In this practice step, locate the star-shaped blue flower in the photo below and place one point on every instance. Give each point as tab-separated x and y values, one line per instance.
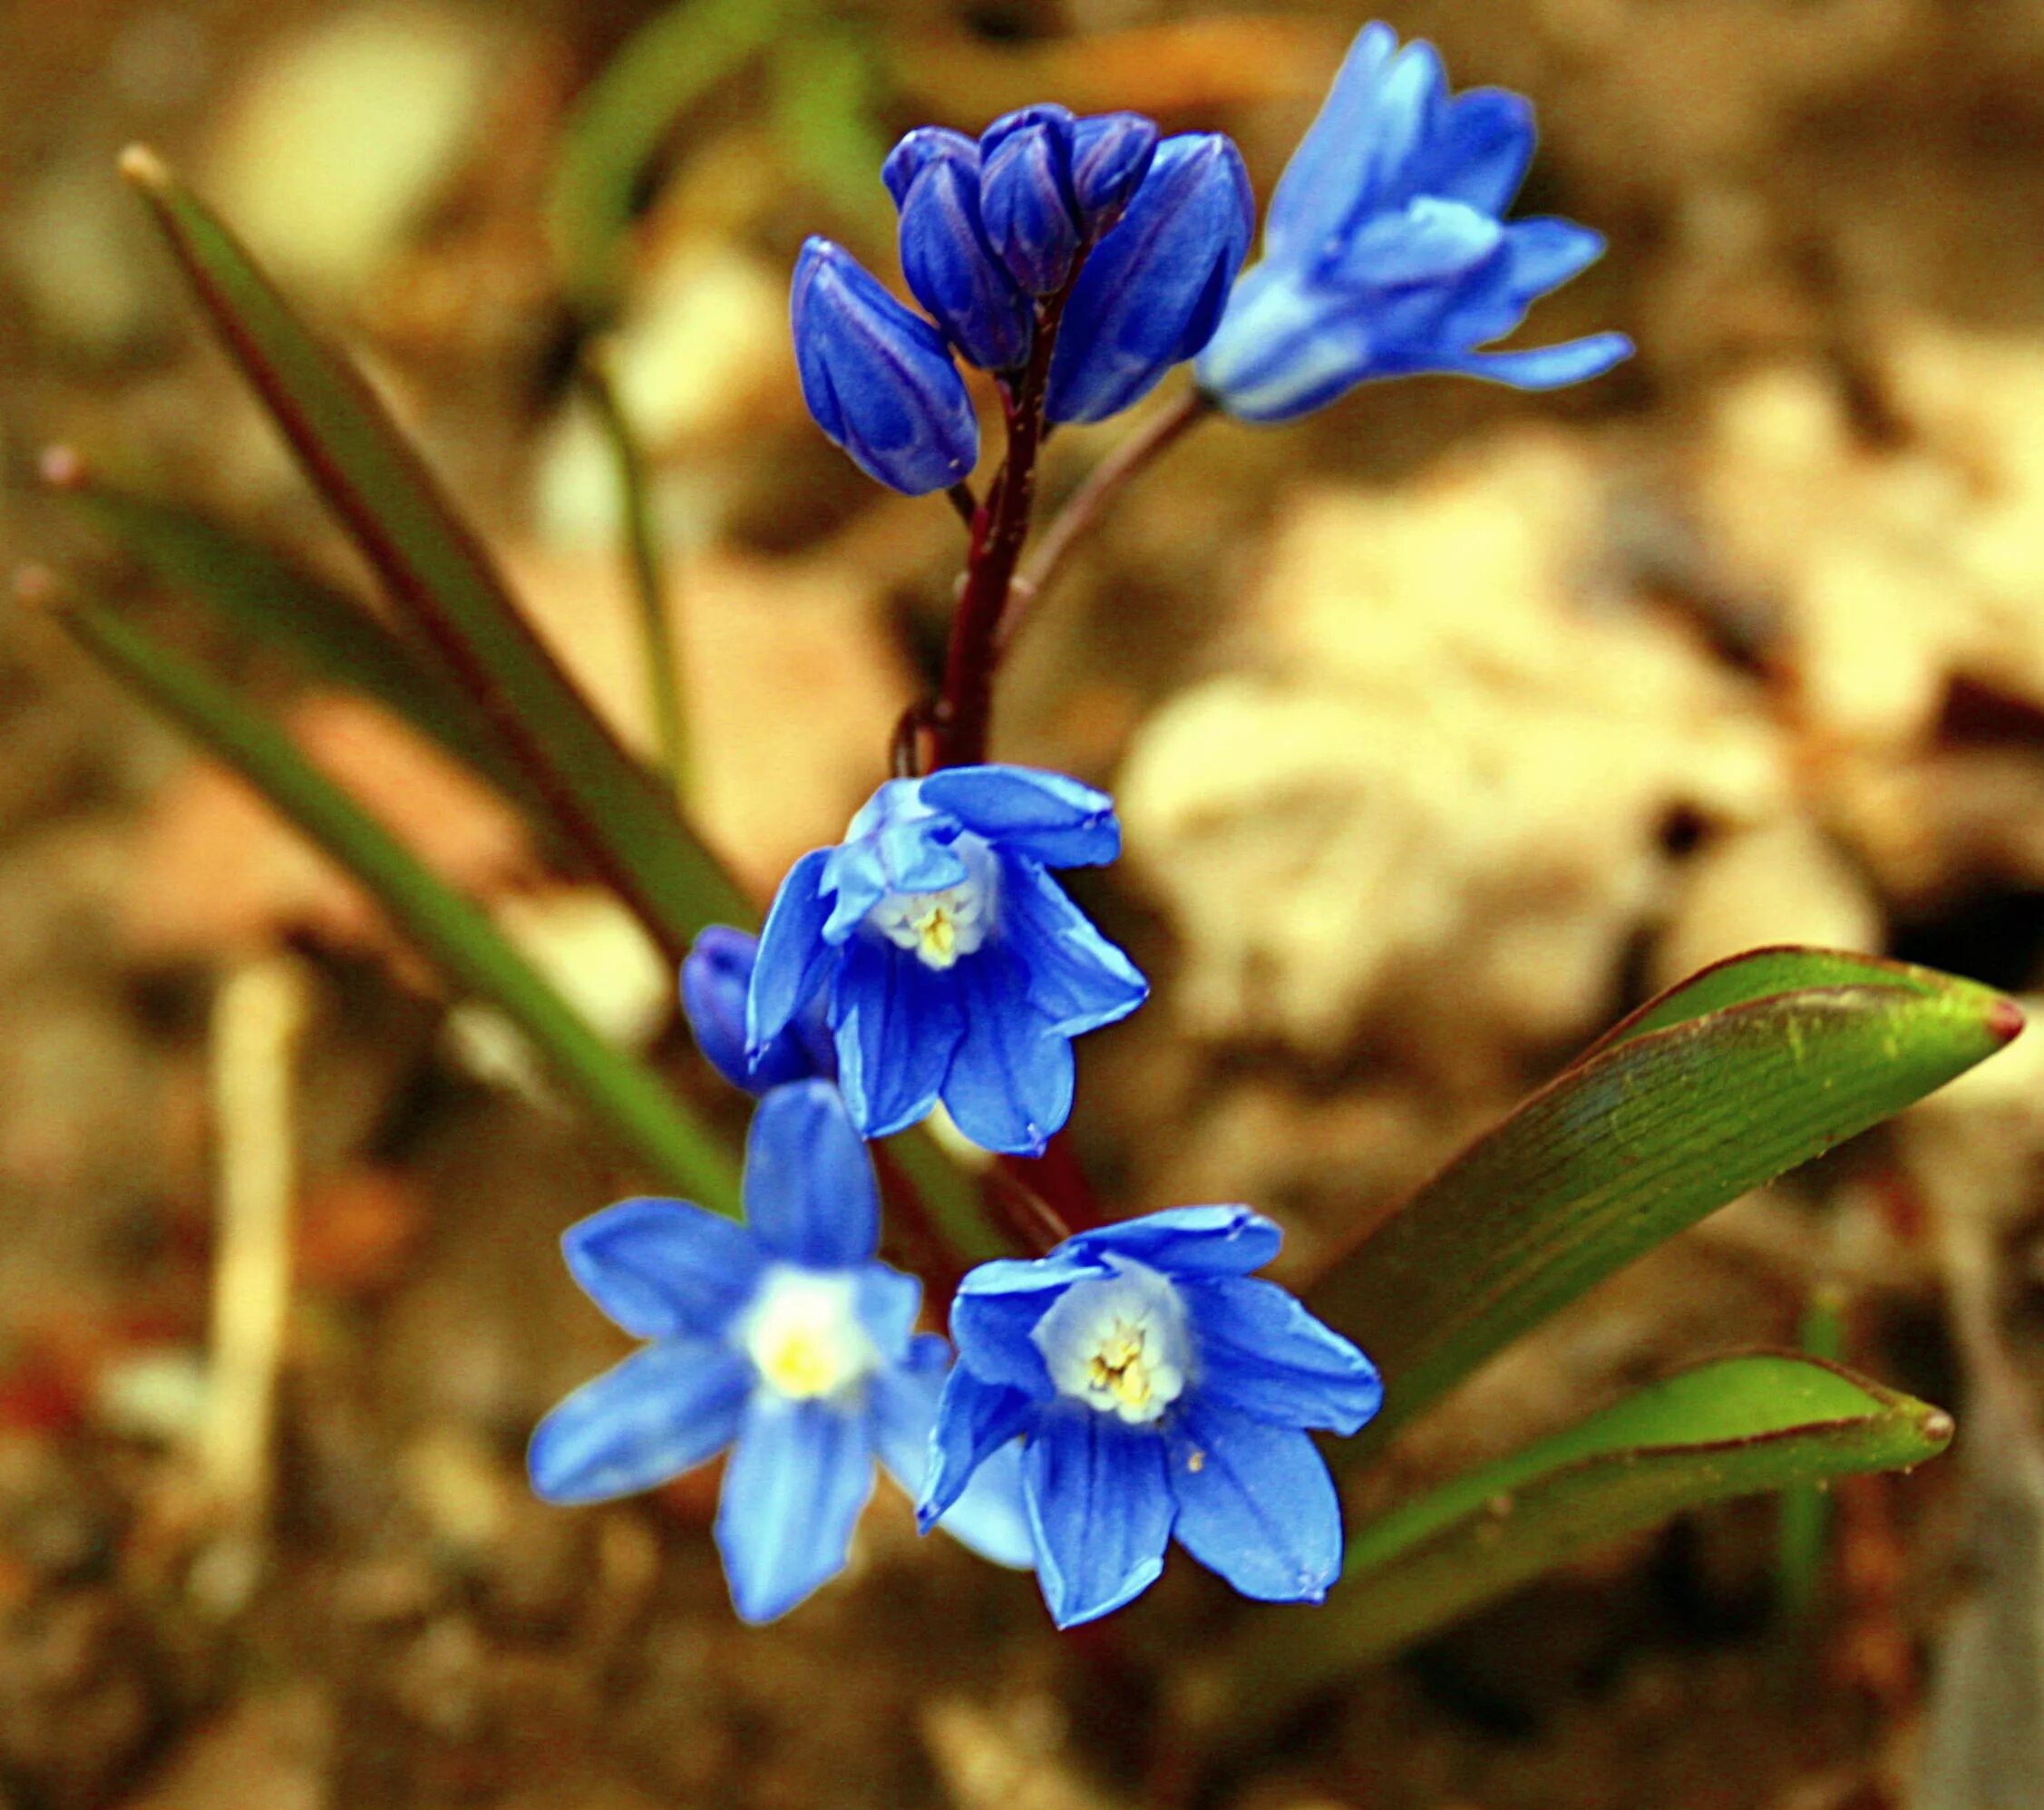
1385	253
952	966
1159	1389
782	1339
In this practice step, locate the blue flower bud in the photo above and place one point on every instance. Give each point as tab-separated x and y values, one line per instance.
1025	196
715	980
1151	291
934	177
1110	155
878	379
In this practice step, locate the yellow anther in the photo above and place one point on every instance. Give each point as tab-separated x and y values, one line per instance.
937	934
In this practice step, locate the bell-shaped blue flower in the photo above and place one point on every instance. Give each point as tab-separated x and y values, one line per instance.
1385	253
1158	1389
879	378
782	1339
952	967
1151	291
934	176
715	977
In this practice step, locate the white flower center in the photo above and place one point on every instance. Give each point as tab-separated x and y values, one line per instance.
1119	1344
939	927
803	1334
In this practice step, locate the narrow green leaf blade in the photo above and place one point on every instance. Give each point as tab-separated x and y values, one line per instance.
1628	1148
270	599
621	119
1735	1427
602	802
625	1096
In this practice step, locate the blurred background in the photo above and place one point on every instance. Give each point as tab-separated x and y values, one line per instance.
1446	727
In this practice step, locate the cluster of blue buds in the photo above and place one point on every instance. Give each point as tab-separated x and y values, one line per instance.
1088	231
1137	1382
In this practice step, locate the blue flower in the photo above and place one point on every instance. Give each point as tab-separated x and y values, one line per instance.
1151	291
1158	1389
715	980
951	965
782	1339
1385	253
878	378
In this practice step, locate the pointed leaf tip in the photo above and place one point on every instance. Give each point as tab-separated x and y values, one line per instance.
141	166
2004	1018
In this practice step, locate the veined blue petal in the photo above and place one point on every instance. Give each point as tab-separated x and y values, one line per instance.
1009	1084
1548	367
1110	155
1044	816
1026	198
975	1419
1428	241
878	379
1100	1509
954	272
898	1023
809	1194
663	1269
886	1302
1185	1242
1263	1353
1482	151
998	1306
798	1479
793	957
1315	197
661	1412
716	981
1286	346
988	1516
1255	1504
1077	979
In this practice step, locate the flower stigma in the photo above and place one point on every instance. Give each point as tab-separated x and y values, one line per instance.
805	1337
1118	1344
937	928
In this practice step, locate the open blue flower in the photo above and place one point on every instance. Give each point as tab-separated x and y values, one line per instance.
1385	253
1158	1389
951	965
782	1339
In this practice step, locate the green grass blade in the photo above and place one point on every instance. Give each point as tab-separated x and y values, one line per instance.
603	804
453	933
621	120
270	599
1629	1147
826	102
1736	1427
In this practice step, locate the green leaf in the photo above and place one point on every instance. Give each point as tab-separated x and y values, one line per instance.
1684	1112
826	102
1735	1427
624	116
270	599
602	803
622	1094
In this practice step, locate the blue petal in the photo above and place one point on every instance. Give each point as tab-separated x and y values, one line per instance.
1428	241
663	1269
1025	202
898	1023
1044	816
997	1309
988	1516
793	957
1548	367
1255	1504
798	1479
1260	1351
1100	1509
661	1412
1010	1087
1287	345
1482	151
1110	155
1315	196
1151	293
1185	1240
1536	256
810	1195
975	1419
886	1302
934	177
1077	979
